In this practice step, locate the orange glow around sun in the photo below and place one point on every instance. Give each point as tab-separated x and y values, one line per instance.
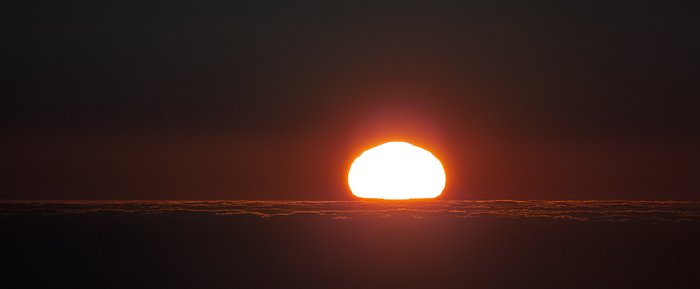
396	171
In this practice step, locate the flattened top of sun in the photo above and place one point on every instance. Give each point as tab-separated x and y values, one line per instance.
396	171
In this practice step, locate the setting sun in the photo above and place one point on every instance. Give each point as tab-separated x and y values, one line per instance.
396	171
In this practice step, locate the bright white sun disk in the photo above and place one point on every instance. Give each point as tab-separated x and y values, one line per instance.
396	170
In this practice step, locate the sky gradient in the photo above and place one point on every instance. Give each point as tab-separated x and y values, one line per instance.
273	100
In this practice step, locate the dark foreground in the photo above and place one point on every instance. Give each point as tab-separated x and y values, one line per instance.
439	244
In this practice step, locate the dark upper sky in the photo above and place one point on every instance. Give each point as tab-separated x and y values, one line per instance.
273	99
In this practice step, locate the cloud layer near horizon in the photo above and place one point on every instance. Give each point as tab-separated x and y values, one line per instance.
613	211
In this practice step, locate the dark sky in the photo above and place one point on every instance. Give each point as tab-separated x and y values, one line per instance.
273	99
